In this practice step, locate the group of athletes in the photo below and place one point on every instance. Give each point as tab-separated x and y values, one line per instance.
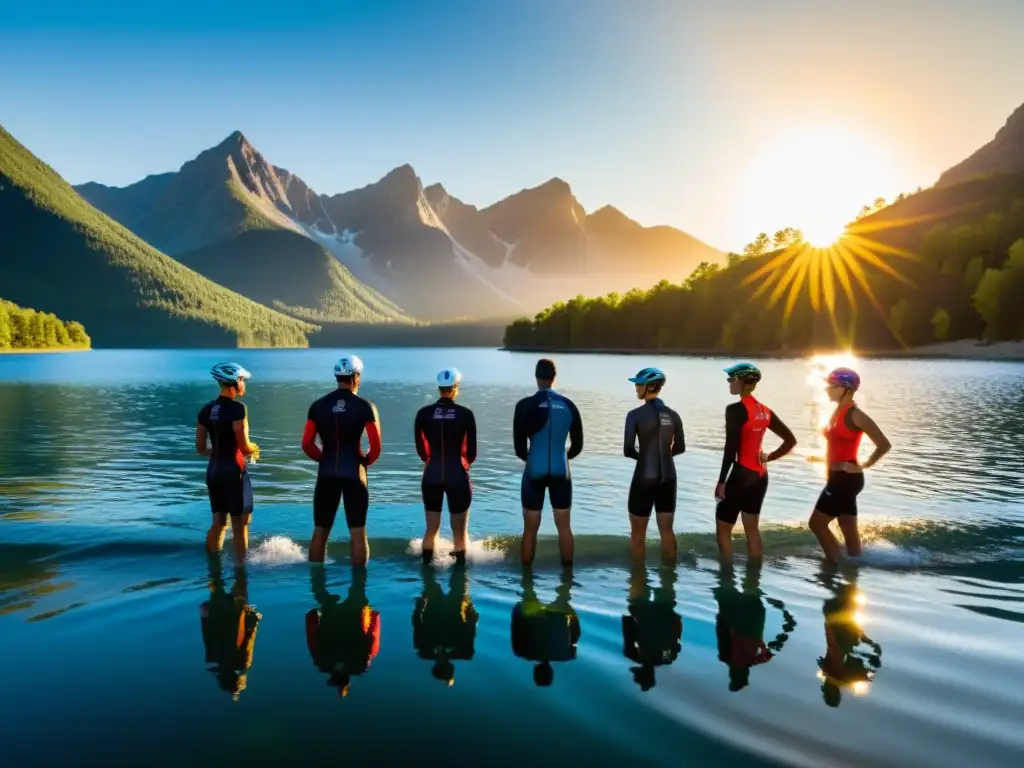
547	435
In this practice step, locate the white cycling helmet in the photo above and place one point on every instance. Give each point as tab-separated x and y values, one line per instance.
229	374
449	377
350	365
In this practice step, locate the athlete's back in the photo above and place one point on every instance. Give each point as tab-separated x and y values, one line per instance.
545	420
445	441
659	430
340	418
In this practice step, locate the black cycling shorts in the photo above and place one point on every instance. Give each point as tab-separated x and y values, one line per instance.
230	493
559	491
460	496
645	496
744	492
840	494
329	494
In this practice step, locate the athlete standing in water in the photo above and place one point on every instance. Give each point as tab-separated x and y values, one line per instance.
224	424
339	419
445	434
660	433
845	474
545	420
744	491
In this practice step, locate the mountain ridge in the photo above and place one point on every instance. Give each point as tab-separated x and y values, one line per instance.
1003	154
64	254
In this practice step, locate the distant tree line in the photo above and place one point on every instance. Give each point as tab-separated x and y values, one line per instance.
22	328
958	282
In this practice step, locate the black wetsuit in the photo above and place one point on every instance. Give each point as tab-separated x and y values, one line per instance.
445	435
340	418
226	479
660	433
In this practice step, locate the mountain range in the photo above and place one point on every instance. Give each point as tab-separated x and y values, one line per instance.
406	251
233	250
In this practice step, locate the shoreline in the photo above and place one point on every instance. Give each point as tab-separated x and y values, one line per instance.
965	349
44	351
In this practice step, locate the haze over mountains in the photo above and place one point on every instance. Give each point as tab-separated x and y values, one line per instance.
412	251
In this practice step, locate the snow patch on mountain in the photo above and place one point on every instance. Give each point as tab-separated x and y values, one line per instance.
343	246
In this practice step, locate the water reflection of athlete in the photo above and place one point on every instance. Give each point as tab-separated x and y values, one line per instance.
545	420
659	431
339	420
545	633
343	636
224	424
445	434
845	474
228	624
652	632
851	657
444	626
744	462
740	622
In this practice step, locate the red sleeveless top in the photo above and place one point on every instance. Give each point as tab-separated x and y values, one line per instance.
752	435
843	442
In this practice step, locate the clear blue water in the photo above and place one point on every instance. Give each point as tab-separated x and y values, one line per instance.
102	575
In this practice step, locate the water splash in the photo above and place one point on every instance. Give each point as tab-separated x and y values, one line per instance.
277	550
478	551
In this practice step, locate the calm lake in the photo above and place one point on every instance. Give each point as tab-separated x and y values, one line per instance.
123	644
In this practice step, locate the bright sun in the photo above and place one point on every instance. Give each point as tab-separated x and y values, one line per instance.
815	179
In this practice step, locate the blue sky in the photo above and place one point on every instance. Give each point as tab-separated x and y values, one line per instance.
672	111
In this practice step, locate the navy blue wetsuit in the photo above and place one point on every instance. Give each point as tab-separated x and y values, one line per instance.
226	479
660	433
446	442
544	421
339	419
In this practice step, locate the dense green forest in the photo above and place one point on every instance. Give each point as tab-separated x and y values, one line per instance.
937	265
318	288
22	328
60	252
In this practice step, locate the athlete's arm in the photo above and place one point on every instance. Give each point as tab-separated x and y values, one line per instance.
373	433
629	438
864	423
241	428
678	439
735	418
788	440
201	447
309	446
575	432
470	437
519	433
420	436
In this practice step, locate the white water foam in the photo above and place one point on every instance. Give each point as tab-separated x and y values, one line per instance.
277	550
885	554
478	551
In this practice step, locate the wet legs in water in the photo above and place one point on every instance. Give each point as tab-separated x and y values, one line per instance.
638	536
528	546
430	535
531	524
239	535
359	546
753	532
819	525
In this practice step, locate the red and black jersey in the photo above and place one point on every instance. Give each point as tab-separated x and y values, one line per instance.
339	419
445	435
